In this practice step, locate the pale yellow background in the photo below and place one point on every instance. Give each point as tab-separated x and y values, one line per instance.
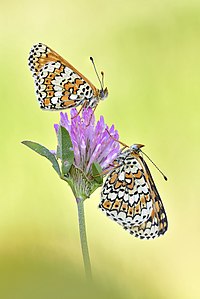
150	53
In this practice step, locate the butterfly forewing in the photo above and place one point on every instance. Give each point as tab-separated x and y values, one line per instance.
129	196
58	84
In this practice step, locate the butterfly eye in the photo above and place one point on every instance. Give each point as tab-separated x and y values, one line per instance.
136	147
103	94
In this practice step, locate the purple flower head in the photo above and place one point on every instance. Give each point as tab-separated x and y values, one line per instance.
91	141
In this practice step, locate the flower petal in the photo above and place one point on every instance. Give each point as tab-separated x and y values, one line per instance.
91	141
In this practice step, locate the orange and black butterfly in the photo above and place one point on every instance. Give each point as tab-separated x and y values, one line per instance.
129	196
58	84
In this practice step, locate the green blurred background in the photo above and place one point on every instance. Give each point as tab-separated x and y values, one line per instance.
150	53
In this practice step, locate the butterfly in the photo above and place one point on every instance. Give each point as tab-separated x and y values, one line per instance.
58	84
129	196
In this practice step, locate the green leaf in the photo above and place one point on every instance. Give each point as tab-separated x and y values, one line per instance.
43	151
65	151
97	173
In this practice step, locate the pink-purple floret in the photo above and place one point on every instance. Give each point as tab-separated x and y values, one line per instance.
91	142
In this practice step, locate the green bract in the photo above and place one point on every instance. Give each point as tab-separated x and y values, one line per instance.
63	163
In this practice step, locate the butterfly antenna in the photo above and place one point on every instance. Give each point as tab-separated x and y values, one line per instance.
101	82
154	165
102	75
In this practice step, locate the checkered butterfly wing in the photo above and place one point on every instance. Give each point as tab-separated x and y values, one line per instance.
129	196
58	84
157	223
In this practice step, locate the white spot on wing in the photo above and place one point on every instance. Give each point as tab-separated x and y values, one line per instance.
73	97
54	100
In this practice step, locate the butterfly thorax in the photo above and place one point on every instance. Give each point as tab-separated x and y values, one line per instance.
99	95
132	151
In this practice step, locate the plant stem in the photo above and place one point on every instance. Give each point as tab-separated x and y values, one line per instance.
83	238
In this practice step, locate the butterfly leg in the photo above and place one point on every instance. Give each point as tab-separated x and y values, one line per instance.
91	115
124	145
82	107
107	170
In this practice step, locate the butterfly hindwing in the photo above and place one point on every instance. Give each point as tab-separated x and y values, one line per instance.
58	84
129	197
125	195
